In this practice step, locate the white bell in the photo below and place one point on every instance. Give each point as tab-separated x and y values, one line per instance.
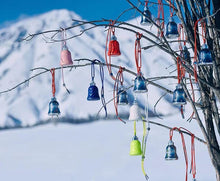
135	113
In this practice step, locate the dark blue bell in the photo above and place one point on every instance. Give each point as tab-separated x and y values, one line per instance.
122	97
54	109
172	30
93	92
179	96
186	55
145	19
140	84
205	56
171	151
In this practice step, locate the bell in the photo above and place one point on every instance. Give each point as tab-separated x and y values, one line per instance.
179	96
172	30
113	48
140	84
205	56
122	97
171	151
135	147
93	92
135	113
145	18
186	55
65	57
54	109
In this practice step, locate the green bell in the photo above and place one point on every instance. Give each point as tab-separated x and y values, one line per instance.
135	147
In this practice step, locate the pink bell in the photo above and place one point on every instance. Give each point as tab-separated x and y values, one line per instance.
65	57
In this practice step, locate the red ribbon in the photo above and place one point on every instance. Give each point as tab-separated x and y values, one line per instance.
53	81
159	23
119	79
171	4
138	53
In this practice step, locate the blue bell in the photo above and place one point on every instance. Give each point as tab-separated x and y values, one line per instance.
171	151
93	92
205	56
122	97
54	109
145	18
140	84
172	30
186	55
179	96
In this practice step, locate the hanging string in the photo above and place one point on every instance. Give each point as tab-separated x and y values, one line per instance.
111	31
102	89
63	44
171	5
92	71
181	36
193	161
119	80
159	19
146	130
138	53
53	81
146	3
195	49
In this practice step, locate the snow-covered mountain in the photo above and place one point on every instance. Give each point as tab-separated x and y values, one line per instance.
28	103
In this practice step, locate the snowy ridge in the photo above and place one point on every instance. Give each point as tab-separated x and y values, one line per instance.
29	104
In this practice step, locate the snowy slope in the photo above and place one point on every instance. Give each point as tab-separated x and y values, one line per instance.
96	152
28	104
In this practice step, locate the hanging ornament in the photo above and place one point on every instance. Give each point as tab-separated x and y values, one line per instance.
139	82
171	29
186	55
65	56
146	17
135	113
119	94
112	47
135	146
93	92
179	96
160	19
205	56
53	105
171	151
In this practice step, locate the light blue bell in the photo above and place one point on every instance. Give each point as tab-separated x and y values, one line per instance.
172	30
179	96
186	55
54	109
122	96
145	19
205	56
140	84
93	92
171	151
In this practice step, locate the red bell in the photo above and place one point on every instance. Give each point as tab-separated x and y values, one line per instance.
113	48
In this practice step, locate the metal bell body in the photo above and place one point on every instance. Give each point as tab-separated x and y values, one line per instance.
135	113
171	151
145	18
205	56
179	96
122	97
171	29
65	57
140	84
186	55
93	92
54	109
113	48
135	147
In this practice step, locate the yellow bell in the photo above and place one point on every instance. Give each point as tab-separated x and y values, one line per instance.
135	147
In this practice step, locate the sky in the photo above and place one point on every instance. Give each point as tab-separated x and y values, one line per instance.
14	10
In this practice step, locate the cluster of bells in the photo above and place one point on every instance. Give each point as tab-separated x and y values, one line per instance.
205	56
